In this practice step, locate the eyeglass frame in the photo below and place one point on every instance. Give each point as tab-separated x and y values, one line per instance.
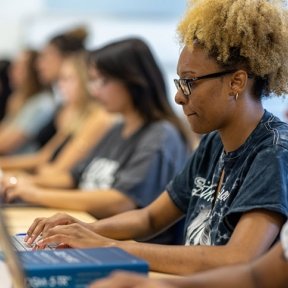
187	83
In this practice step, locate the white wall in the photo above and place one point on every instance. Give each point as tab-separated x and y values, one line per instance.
31	22
12	14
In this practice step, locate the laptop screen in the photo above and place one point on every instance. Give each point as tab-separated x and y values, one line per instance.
11	260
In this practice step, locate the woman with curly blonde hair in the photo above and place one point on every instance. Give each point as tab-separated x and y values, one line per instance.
234	188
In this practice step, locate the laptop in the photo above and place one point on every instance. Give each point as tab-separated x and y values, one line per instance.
74	267
20	245
11	272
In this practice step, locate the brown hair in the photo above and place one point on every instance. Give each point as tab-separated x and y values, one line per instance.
132	62
70	42
32	84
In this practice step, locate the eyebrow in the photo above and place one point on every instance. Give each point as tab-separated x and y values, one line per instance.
186	73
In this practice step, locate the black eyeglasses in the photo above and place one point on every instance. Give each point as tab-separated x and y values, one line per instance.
185	84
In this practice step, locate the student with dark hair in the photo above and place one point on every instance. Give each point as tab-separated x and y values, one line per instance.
56	49
138	156
233	190
5	87
28	109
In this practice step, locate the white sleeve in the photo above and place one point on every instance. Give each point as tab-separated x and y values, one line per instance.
34	114
284	240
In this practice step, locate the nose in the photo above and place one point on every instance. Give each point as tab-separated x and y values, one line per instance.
180	98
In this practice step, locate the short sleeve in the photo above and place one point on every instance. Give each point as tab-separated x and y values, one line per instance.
180	188
265	185
145	176
35	114
152	164
284	240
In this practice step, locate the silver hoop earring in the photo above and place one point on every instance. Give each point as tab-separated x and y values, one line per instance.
236	96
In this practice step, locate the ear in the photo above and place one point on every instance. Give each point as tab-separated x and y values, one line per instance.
238	81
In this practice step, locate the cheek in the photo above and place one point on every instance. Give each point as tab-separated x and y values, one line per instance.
210	111
105	95
209	101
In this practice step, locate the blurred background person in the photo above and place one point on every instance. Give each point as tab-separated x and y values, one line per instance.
28	109
49	64
79	123
5	87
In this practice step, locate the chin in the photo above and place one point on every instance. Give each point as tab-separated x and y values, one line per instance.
200	129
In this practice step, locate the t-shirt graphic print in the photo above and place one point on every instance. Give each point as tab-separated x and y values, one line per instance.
99	175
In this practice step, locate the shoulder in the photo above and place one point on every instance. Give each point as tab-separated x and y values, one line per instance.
161	133
163	128
272	132
114	133
41	99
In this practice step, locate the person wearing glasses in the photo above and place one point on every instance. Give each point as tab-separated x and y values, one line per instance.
233	191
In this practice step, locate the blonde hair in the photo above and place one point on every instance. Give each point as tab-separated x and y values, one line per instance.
78	62
249	34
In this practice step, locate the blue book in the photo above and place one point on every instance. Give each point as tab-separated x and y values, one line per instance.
76	268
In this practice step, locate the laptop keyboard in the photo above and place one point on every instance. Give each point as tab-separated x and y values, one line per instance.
20	245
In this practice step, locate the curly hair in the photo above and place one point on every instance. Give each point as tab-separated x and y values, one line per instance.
247	34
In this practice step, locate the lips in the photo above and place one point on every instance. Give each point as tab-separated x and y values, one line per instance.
190	114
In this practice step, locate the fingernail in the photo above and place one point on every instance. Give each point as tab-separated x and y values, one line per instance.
29	241
39	243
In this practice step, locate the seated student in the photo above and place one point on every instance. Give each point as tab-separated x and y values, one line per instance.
77	121
50	61
134	161
5	86
269	271
28	109
233	190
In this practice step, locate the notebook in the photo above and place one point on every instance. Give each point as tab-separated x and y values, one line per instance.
70	268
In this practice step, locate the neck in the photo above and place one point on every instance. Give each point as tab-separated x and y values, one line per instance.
132	122
242	125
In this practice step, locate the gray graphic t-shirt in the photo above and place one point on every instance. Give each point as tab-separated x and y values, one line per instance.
139	166
255	177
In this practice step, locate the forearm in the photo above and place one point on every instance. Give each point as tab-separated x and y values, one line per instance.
99	203
25	162
268	271
184	260
129	225
140	223
13	139
233	276
59	179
